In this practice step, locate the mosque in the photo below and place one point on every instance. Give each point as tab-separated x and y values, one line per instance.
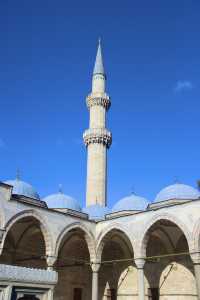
52	248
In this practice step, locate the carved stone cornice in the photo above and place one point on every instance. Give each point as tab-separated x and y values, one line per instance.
97	135
102	101
22	274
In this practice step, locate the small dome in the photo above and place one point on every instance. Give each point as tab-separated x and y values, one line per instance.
62	201
132	202
177	191
96	211
22	188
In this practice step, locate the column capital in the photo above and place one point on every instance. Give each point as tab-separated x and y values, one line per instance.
140	262
51	261
195	257
95	266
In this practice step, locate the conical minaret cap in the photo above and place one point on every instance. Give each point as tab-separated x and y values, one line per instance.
98	67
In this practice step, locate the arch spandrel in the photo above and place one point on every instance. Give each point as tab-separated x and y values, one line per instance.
142	242
89	238
43	226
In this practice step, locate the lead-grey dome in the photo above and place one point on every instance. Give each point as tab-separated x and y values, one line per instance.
62	201
132	202
178	191
23	188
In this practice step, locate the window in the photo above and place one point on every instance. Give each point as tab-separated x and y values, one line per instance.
111	294
153	293
77	294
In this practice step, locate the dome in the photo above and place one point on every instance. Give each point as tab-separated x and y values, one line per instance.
132	202
177	191
96	211
22	188
62	201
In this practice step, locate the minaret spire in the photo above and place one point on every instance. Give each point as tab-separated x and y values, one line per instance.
97	138
98	67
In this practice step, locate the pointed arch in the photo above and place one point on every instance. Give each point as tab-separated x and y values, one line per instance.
102	237
43	226
142	243
87	235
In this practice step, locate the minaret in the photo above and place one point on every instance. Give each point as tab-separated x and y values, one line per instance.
97	138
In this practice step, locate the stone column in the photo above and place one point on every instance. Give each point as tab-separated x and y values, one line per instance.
50	294
140	271
95	278
7	292
197	277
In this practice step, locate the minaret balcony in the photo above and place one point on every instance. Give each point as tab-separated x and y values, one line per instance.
97	135
104	101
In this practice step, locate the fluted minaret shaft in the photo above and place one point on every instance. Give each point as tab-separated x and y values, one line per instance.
97	138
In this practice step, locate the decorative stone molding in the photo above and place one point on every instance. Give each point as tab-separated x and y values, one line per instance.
22	274
72	213
102	101
95	266
195	256
97	135
140	262
50	261
29	200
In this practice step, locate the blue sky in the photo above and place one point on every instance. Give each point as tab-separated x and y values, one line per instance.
151	54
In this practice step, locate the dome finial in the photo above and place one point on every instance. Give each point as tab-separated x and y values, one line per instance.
176	180
133	190
18	175
60	188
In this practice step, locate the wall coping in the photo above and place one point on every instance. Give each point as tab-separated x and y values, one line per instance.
28	275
